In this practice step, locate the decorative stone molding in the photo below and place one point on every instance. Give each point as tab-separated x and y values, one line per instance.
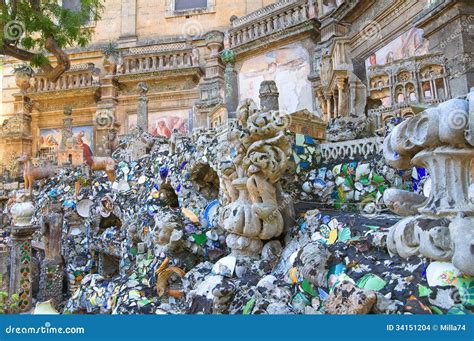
437	139
366	148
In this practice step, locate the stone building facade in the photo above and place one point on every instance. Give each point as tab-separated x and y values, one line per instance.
328	58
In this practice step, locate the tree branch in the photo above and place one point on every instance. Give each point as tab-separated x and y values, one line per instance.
50	72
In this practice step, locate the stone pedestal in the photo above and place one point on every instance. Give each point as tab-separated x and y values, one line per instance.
442	227
20	265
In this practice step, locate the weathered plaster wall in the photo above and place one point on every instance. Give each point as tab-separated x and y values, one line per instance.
289	67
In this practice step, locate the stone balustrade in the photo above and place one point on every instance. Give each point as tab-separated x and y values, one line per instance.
159	61
268	20
351	149
79	76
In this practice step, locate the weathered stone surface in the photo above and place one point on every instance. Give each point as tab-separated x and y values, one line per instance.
437	139
348	299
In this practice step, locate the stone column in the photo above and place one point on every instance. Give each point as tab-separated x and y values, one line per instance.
105	121
142	110
51	274
20	254
335	104
231	82
340	96
327	96
269	96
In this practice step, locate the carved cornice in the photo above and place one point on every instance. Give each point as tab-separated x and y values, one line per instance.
192	72
91	91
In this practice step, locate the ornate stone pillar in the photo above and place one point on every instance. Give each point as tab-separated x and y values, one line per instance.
335	104
21	234
327	96
52	268
231	82
142	110
213	89
439	140
340	96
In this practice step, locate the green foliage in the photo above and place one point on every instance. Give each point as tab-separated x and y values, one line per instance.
111	49
8	305
48	20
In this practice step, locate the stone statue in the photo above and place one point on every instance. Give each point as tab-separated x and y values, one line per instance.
51	223
31	173
442	227
260	158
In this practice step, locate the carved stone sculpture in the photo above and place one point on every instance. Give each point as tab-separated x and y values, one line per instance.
31	173
260	158
438	140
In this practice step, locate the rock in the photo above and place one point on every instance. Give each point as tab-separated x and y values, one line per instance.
311	261
348	299
267	283
225	266
385	305
444	298
278	309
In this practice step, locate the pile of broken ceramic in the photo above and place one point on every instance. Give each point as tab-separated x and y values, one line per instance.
355	185
324	264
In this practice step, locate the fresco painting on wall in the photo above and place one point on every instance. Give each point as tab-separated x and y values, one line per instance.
163	123
289	67
51	138
409	44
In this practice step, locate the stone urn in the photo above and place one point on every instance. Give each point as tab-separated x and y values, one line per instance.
110	64
22	211
23	77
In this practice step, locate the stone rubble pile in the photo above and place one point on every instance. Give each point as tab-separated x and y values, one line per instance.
154	240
